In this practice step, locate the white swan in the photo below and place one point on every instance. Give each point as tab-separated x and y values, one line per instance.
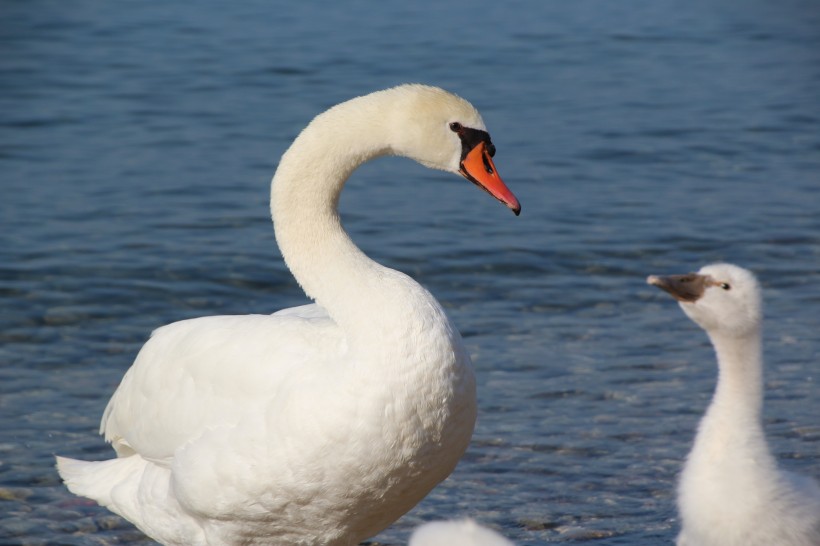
456	533
320	424
731	492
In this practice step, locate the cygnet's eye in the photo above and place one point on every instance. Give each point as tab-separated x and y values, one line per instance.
456	127
725	286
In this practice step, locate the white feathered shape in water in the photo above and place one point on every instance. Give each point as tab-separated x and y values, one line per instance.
464	532
731	492
320	424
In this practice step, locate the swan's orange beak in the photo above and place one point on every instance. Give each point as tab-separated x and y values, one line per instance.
477	167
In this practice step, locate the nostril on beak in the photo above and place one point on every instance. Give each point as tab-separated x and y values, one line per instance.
487	166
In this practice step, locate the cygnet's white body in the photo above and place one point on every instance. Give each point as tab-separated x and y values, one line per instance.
456	533
321	424
731	491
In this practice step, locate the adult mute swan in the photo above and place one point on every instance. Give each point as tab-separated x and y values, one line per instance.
456	533
731	492
320	424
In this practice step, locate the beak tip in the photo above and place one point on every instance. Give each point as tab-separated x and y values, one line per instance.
511	202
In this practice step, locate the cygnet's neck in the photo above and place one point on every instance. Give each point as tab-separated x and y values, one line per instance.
732	425
739	388
304	197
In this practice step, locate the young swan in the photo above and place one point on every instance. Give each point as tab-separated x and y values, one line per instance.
731	492
456	533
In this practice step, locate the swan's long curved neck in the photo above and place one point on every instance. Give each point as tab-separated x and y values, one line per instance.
305	191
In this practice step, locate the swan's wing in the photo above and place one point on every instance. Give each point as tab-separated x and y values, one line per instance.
311	311
197	375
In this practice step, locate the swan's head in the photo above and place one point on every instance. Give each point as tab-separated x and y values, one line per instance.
720	298
443	131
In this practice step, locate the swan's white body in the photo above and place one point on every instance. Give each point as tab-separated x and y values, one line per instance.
316	425
456	533
731	491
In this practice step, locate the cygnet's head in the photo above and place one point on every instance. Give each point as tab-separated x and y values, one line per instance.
720	298
443	131
456	533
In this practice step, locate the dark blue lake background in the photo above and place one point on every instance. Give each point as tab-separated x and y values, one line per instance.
137	143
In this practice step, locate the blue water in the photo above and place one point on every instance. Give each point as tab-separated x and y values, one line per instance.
137	141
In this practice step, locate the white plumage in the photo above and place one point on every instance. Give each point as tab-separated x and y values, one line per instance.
320	424
456	533
731	491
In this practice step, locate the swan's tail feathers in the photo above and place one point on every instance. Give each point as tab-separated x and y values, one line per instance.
137	490
113	483
96	480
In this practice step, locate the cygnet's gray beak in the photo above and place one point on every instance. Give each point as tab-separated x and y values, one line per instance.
688	288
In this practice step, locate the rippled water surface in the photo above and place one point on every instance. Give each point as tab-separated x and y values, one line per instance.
137	141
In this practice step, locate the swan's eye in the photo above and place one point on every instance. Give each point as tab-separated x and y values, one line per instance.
456	127
725	286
